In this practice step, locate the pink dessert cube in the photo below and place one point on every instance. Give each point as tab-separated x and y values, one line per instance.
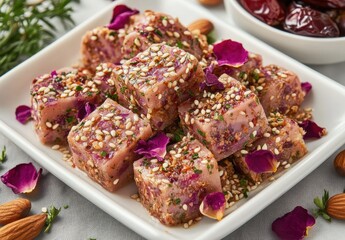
59	97
226	120
284	139
173	189
103	144
155	81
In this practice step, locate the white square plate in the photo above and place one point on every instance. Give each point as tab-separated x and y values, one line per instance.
326	99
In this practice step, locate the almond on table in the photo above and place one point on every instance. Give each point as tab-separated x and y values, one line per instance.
14	210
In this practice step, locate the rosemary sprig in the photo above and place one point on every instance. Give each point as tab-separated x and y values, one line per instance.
321	204
26	26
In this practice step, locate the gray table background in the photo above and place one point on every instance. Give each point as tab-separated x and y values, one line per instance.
83	220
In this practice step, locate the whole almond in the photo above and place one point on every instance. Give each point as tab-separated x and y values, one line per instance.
14	210
339	163
24	229
336	206
203	25
211	2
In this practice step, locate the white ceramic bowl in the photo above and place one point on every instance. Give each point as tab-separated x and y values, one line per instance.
305	49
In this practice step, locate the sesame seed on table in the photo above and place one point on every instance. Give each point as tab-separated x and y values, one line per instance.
83	220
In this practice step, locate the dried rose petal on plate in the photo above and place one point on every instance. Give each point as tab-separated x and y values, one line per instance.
23	113
121	15
22	178
293	225
213	205
306	87
261	161
155	147
230	53
312	130
211	80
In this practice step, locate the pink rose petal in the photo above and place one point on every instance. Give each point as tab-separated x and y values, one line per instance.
121	15
213	205
293	225
306	87
23	114
211	80
261	161
22	178
312	130
155	147
230	53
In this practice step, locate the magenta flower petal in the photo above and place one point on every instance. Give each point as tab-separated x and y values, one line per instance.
22	178
261	161
23	113
85	110
211	80
312	130
213	205
293	225
306	87
155	147
121	15
53	74
230	53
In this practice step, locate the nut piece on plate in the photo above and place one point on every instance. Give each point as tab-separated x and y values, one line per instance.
155	81
339	163
284	139
173	189
202	25
58	98
224	121
158	28
103	144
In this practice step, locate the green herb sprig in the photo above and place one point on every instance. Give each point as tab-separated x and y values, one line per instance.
27	26
3	155
321	204
52	213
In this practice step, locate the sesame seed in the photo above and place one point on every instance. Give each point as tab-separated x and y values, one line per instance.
276	151
287	166
264	147
155	169
196	150
49	125
116	181
251	124
244	152
112	145
55	147
165	22
277	139
255	133
242	113
267	135
137	42
149	28
178	155
129	133
284	163
186	225
165	165
55	126
185	207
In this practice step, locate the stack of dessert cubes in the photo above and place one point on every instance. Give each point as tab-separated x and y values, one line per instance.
106	111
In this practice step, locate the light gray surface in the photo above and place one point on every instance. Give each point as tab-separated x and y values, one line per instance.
82	220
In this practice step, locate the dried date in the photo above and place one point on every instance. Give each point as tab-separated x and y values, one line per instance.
268	11
303	20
